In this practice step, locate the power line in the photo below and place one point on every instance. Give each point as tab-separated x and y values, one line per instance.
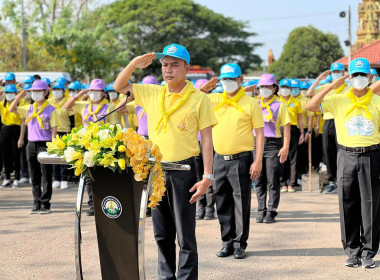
294	17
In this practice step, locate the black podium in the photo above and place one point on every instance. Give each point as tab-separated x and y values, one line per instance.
120	205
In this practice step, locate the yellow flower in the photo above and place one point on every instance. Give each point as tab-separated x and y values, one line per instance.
95	146
121	163
122	148
108	160
109	143
78	171
119	135
79	163
128	153
77	155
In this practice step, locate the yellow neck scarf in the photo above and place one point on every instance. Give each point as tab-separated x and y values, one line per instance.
339	90
142	114
360	103
37	114
268	117
91	113
59	105
290	100
232	101
166	114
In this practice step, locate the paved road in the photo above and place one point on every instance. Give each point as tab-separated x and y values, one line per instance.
303	244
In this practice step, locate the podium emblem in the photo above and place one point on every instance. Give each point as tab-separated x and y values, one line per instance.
111	207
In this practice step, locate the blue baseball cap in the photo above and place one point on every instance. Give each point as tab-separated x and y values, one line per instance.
26	86
360	65
75	85
373	71
46	80
9	76
61	80
337	66
294	83
285	83
29	79
110	87
58	86
175	50
230	70
305	85
10	88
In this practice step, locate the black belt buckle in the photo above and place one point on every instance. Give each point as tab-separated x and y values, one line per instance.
359	150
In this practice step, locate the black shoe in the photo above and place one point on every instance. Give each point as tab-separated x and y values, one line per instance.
44	210
353	261
368	262
90	212
148	212
199	217
239	254
270	217
210	217
224	252
35	209
260	216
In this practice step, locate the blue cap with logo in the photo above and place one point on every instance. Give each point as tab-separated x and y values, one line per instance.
373	71
26	86
61	80
285	83
9	76
305	85
294	83
337	66
360	65
75	85
29	79
10	88
58	86
46	80
175	50
230	70
110	87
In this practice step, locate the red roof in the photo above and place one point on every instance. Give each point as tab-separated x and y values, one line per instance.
370	52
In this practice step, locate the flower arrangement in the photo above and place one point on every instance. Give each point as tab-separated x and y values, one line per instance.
112	147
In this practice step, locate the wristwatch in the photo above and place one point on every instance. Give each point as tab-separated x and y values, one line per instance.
209	176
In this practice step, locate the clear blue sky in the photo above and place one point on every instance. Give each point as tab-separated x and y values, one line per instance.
273	20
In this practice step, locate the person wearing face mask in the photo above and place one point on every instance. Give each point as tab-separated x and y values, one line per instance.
42	127
177	111
357	117
75	119
276	149
329	142
289	170
57	101
374	76
238	115
9	135
47	81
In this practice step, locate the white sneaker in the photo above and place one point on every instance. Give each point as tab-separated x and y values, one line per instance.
64	185
56	184
6	183
23	181
15	184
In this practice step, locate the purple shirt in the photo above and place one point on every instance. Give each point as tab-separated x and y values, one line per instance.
35	132
100	114
269	125
143	121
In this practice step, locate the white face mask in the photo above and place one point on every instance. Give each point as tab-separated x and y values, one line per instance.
336	76
229	85
285	91
374	79
37	95
265	92
303	92
28	95
113	95
72	93
94	95
57	94
359	82
249	93
10	96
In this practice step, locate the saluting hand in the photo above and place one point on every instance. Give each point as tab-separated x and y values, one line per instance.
210	85
81	94
323	75
143	61
201	188
250	88
21	95
338	83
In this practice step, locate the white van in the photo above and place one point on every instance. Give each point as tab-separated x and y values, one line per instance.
20	76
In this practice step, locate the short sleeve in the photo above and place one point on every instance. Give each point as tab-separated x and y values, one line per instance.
79	107
143	93
283	116
206	114
53	119
257	115
299	108
328	104
112	118
23	111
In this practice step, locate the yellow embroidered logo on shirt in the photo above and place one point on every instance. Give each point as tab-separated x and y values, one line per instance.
183	126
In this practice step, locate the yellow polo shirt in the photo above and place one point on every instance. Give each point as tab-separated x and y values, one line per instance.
8	118
346	89
234	132
62	115
133	121
306	114
294	108
180	141
355	130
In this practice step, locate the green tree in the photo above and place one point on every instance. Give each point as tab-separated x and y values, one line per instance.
306	53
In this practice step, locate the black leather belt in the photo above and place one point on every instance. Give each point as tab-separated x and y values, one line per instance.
189	161
235	156
359	150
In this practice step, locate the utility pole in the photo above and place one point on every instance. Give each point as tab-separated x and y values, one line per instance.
23	35
349	35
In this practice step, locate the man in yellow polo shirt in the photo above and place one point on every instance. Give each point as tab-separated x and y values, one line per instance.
176	112
357	118
238	115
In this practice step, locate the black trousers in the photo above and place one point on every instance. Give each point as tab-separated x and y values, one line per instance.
303	158
205	204
9	136
289	170
330	148
23	160
88	186
1	155
37	171
232	189
60	171
359	201
316	151
176	216
269	176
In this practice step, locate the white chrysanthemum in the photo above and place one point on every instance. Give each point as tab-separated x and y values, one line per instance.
81	132
89	159
103	134
69	152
